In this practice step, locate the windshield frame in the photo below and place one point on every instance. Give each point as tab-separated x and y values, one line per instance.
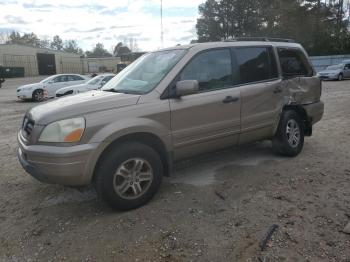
134	64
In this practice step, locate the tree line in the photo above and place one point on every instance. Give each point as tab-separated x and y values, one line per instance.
322	27
70	46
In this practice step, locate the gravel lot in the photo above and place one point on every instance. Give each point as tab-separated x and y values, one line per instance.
214	208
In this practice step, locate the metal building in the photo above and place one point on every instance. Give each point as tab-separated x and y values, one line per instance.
40	61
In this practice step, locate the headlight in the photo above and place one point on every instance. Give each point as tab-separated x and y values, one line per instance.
66	131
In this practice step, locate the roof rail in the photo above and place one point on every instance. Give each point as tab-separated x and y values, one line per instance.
265	39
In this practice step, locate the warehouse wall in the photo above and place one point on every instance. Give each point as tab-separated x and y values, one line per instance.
24	56
92	65
13	55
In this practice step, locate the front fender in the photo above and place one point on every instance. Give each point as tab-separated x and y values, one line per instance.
110	133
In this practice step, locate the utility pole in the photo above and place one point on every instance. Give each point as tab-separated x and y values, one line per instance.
161	23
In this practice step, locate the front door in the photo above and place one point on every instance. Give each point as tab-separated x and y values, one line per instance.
210	119
56	83
347	71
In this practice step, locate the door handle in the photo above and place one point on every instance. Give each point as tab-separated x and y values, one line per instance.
277	90
230	99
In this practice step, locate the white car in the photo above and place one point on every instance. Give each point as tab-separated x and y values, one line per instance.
47	88
93	84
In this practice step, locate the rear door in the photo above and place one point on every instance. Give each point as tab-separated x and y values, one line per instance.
210	119
261	91
301	83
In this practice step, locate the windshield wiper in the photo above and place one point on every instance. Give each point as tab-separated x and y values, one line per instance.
123	91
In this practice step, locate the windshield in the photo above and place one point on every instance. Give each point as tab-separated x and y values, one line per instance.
145	73
335	67
94	80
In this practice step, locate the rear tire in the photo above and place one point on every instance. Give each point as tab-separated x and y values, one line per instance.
128	176
38	95
289	138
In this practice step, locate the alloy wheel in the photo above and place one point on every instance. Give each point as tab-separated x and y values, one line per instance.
293	133
133	178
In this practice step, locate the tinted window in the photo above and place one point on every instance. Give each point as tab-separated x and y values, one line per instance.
294	63
59	79
273	64
107	78
74	78
211	69
254	64
347	66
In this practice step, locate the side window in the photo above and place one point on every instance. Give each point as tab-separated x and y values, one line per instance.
294	63
59	79
253	63
212	69
107	78
273	64
74	78
347	66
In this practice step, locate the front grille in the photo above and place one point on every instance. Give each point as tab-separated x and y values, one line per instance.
28	126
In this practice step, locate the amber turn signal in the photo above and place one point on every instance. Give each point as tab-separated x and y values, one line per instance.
74	136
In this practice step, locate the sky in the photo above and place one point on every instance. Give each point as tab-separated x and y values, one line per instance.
108	21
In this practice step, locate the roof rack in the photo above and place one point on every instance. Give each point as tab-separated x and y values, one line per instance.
265	39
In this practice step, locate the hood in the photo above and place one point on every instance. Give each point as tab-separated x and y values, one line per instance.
68	88
31	86
333	71
80	105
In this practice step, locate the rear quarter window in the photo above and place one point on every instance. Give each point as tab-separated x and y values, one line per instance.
294	63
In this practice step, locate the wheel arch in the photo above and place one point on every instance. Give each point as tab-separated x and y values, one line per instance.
146	138
306	121
38	89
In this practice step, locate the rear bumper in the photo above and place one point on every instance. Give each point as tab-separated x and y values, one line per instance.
57	165
314	111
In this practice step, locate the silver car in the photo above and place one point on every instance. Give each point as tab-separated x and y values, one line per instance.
335	72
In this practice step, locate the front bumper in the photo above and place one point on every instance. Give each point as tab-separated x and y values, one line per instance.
24	94
57	165
314	111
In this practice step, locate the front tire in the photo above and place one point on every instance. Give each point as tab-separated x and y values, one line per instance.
128	175
38	95
289	138
340	77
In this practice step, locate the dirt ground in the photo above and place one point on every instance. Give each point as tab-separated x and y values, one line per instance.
214	208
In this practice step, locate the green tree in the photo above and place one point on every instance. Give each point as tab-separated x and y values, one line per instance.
98	51
71	46
57	43
321	26
120	49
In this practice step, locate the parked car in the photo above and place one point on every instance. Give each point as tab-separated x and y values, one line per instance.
93	84
335	72
170	105
47	88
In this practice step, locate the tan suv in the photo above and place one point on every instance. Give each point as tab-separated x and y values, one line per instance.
170	105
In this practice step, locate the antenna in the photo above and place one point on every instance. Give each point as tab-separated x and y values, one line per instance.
161	23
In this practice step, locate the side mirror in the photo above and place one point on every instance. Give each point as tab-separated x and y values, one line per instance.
187	87
102	83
